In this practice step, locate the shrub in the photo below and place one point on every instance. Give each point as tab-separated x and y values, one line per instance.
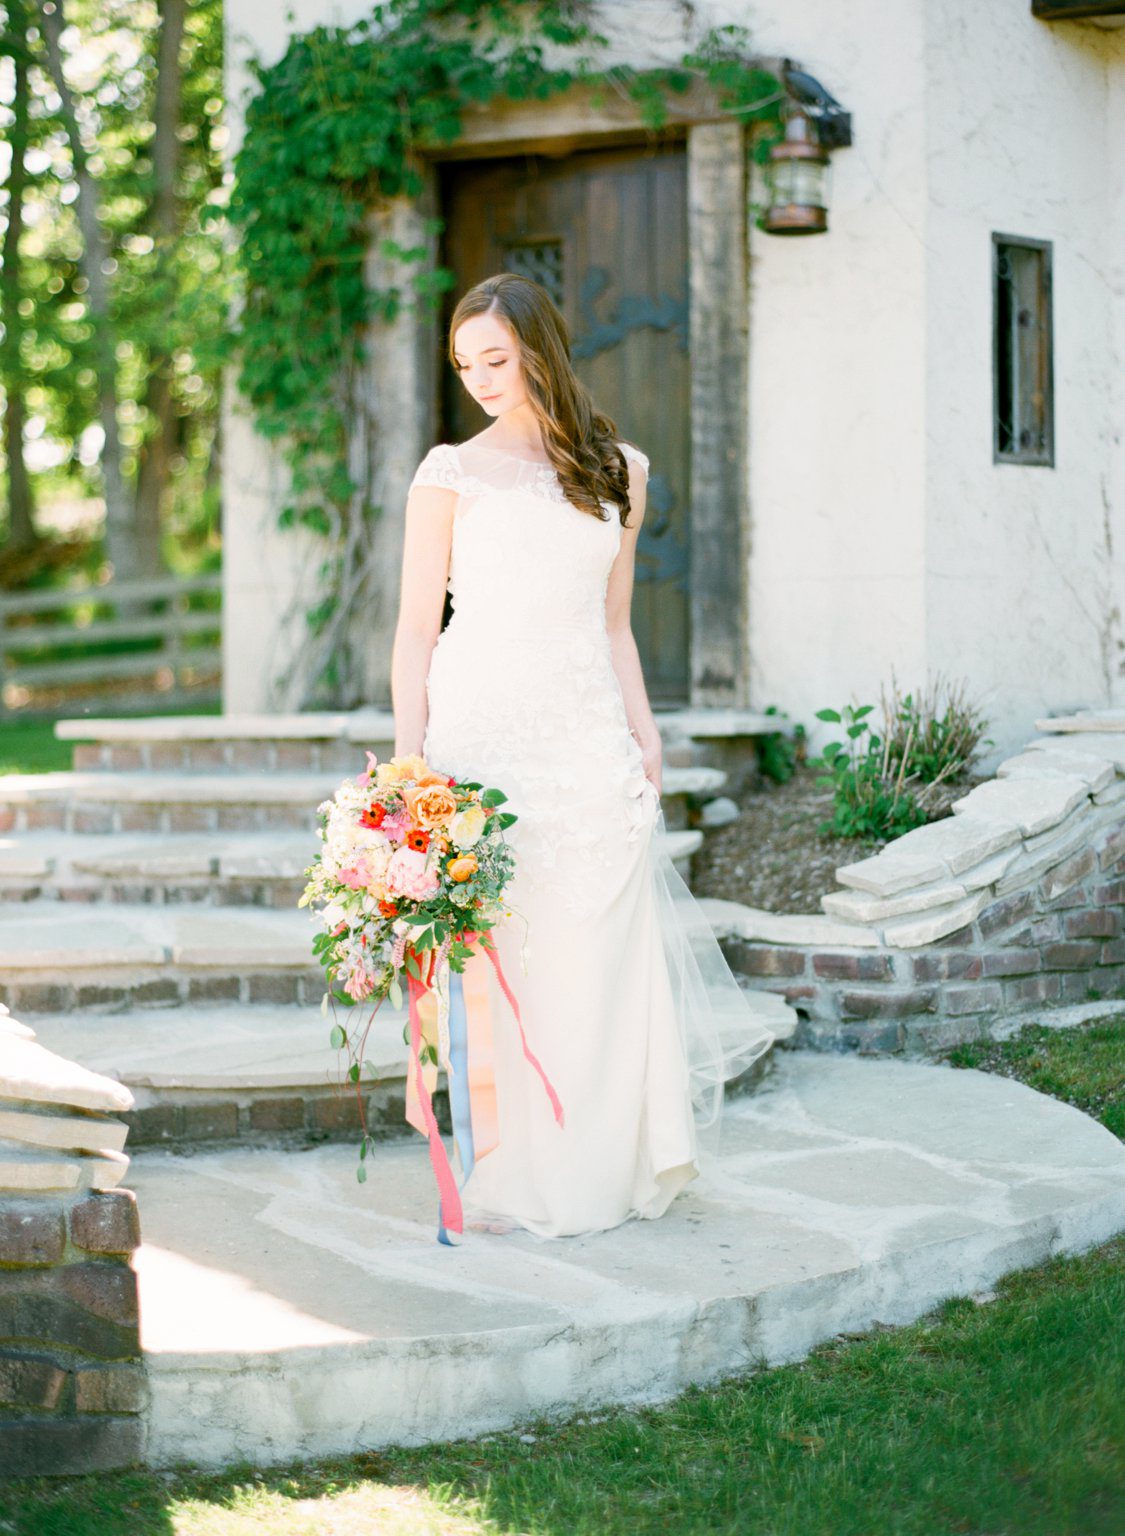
866	802
779	752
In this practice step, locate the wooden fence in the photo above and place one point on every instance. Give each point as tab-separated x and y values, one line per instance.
136	642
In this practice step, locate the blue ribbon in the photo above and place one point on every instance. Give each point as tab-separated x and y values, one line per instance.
460	1104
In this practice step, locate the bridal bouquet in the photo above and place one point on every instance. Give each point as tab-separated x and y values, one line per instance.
407	885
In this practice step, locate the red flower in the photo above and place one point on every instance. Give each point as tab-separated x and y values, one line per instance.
419	839
388	908
373	816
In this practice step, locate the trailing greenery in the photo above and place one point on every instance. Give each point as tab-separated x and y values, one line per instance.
332	133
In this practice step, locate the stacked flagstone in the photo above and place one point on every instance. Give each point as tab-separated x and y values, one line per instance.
1016	900
72	1388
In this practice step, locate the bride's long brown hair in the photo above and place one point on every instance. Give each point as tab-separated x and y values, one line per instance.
581	441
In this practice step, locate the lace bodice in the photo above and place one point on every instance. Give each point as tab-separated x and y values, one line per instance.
521	688
518	539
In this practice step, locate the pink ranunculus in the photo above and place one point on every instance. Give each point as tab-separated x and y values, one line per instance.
357	876
364	779
396	826
359	982
408	876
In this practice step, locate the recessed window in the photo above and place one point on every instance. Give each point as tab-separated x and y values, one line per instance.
1023	430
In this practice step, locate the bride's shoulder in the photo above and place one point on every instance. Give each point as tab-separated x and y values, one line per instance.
631	451
441	466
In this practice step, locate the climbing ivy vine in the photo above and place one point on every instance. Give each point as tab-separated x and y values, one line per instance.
333	130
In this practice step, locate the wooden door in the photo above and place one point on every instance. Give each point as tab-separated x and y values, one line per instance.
605	232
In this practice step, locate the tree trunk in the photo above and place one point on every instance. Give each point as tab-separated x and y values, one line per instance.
154	466
121	543
21	524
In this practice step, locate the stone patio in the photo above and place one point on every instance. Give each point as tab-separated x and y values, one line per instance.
287	1310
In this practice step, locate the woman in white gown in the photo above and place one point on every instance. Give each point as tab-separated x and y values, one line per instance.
535	686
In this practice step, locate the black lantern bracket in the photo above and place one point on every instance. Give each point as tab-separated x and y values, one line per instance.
831	123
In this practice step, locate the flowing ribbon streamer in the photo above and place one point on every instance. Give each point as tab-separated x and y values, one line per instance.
454	1014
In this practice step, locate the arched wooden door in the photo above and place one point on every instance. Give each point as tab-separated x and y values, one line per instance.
605	232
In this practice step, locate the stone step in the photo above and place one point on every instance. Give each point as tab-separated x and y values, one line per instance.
326	740
849	1194
122	955
94	802
210	868
256	1071
129	955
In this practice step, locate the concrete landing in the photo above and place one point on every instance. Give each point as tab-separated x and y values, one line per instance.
289	1311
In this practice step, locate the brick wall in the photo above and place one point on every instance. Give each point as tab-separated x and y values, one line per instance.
72	1385
1049	927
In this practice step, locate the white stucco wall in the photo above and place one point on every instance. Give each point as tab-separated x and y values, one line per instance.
1022	591
837	388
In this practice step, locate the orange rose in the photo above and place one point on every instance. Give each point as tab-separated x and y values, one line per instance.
430	805
461	868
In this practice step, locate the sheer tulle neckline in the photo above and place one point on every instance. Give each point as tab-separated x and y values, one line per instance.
507	454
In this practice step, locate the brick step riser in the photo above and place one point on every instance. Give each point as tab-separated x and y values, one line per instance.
117	989
277	894
233	756
179	1119
104	818
283	756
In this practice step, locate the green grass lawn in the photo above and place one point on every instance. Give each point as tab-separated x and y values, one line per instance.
29	746
998	1417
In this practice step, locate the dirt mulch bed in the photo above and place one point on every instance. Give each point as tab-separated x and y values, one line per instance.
774	857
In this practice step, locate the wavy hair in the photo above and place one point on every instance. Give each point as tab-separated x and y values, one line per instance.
581	441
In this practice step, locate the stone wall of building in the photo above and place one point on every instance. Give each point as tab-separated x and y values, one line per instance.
1016	900
72	1385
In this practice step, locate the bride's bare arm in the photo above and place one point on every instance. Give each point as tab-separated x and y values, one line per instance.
626	657
425	573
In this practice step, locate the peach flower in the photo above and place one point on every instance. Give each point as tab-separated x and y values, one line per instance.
409	766
431	805
461	868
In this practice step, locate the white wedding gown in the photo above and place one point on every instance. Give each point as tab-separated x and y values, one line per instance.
625	996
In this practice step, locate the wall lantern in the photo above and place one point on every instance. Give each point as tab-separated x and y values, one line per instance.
798	175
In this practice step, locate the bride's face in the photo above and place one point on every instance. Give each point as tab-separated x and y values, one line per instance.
487	359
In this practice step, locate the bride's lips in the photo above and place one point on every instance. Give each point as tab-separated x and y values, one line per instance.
486	397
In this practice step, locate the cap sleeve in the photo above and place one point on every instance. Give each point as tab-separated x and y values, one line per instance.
439	467
636	455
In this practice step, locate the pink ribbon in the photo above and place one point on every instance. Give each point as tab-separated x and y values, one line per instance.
419	1108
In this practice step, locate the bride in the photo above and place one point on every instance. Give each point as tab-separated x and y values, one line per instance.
535	686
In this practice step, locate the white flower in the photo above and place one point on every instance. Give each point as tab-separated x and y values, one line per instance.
466	827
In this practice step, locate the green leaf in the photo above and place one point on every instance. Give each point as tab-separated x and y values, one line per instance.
361	1173
337	1039
493	797
353	1072
828	714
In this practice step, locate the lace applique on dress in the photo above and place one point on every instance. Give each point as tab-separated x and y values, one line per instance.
439	467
